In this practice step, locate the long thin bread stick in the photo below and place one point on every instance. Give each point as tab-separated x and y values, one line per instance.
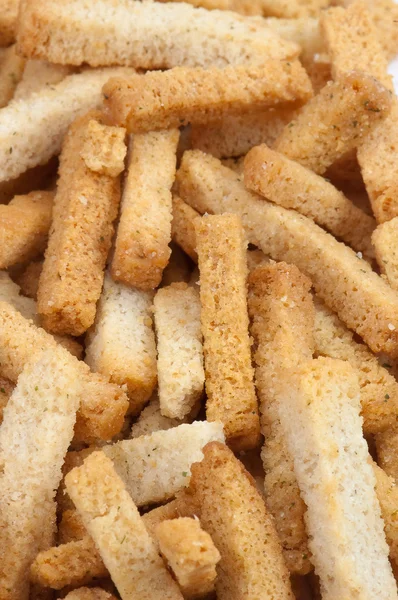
165	99
334	121
118	531
151	420
183	228
251	563
144	231
85	206
282	319
141	35
360	297
277	178
231	398
35	434
121	344
320	416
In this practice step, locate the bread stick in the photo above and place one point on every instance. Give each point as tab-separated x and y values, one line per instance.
103	405
277	178
334	121
6	389
38	75
387	455
85	593
151	420
282	320
361	298
235	135
183	228
180	352
190	553
121	344
384	240
70	527
24	226
165	99
387	494
119	532
32	129
144	35
35	434
378	387
28	279
11	71
251	563
155	467
243	7
319	412
144	231
231	398
85	206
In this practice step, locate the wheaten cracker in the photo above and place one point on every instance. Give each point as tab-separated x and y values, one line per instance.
24	226
11	70
121	344
35	434
231	399
334	121
164	99
362	299
252	564
119	532
144	35
190	553
144	230
103	405
319	411
85	206
278	179
282	320
180	352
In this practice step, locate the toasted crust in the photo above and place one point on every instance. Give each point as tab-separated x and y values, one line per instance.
244	7
334	121
378	387
85	207
84	593
118	531
28	279
235	135
103	405
277	178
71	527
34	127
122	343
231	398
385	239
144	231
183	228
387	494
282	318
42	409
251	563
143	35
11	70
8	21
24	226
319	412
190	553
293	9
180	352
361	298
151	420
6	389
165	99
38	75
387	451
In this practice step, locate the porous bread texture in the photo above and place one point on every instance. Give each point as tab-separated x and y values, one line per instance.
24	226
278	179
11	71
362	299
292	9
235	135
190	553
35	434
144	35
113	520
180	352
231	398
103	405
94	593
28	279
85	207
144	230
319	412
104	149
155	467
386	448
151	420
335	121
121	344
304	31
244	7
6	389
182	95
71	527
183	228
38	75
378	387
387	494
251	564
282	322
384	240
